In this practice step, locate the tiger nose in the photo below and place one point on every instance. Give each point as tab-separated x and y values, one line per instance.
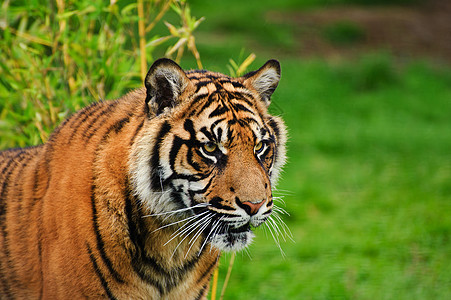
252	207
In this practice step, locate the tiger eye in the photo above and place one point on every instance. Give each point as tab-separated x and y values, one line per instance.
210	147
258	146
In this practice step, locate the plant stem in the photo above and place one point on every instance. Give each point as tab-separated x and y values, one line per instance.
142	39
229	271
215	284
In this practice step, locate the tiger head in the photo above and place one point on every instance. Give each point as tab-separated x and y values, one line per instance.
210	153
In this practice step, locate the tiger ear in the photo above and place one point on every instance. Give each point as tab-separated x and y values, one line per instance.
264	80
165	82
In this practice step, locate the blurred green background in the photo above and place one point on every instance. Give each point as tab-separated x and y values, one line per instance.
366	95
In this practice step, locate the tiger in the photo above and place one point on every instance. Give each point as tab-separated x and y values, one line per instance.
136	198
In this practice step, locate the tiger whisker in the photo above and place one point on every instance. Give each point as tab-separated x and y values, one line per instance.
178	210
216	224
280	210
246	250
277	229
276	239
176	222
281	193
284	226
196	236
279	199
220	228
190	230
207	220
185	227
189	226
161	182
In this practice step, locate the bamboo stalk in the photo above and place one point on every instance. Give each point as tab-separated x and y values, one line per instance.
229	271
31	38
159	16
142	39
214	287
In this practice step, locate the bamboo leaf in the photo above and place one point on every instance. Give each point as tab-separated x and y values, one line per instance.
172	29
177	45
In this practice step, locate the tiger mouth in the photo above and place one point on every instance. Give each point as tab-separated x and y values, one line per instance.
245	228
227	235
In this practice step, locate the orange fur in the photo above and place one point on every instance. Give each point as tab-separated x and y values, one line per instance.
91	212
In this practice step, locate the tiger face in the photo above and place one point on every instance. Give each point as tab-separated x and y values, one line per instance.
210	156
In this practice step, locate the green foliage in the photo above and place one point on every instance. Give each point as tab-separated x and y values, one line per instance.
57	57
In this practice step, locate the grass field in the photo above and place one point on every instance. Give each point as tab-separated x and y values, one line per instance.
368	181
368	187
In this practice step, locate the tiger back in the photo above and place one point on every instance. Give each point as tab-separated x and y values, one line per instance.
136	198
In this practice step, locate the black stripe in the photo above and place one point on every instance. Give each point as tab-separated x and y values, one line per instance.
146	277
4	286
189	158
99	274
208	271
19	189
199	97
188	125
119	124
204	189
117	127
195	177
134	223
215	123
177	143
216	203
230	134
80	118
228	80
212	76
147	267
138	129
218	86
170	277
13	163
155	156
100	243
237	84
238	106
6	291
218	111
201	84
177	198
132	229
213	98
201	292
137	238
219	137
97	122
207	134
192	73
243	97
7	171
274	127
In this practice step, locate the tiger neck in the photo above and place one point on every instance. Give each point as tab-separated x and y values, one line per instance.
162	245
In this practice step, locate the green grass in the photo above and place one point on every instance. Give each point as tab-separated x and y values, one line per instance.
368	180
369	186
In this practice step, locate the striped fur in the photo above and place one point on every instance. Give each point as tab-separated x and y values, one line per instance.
136	198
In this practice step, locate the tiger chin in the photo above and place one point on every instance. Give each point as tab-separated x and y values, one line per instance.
136	198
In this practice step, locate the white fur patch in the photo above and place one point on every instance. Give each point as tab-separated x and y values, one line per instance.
232	241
